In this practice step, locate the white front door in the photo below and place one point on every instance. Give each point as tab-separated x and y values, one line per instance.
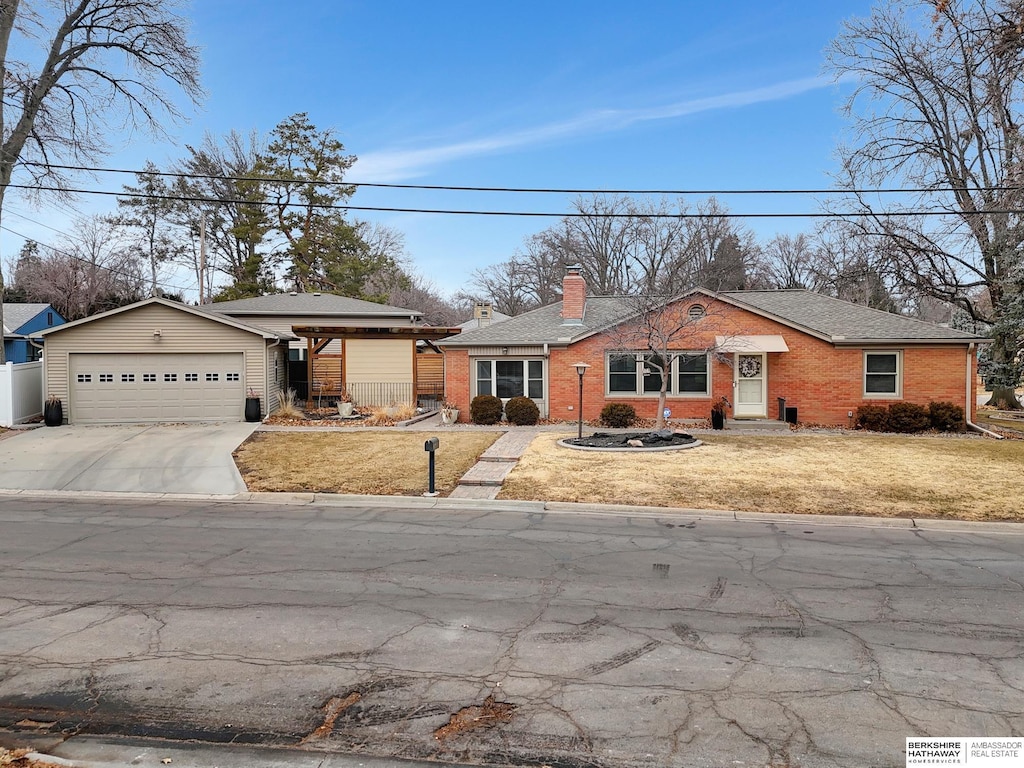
750	384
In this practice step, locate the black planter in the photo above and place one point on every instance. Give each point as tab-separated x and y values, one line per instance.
53	413
252	409
718	419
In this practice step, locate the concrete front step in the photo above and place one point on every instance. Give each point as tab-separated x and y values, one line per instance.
758	424
475	492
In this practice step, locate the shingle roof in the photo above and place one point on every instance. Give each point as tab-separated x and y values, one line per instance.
16	315
544	325
842	320
833	319
213	316
307	304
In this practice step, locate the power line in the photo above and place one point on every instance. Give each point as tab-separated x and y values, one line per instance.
537	190
525	214
112	270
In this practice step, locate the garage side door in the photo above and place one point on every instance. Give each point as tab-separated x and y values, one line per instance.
112	389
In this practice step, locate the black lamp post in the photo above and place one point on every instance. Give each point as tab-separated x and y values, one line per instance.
581	368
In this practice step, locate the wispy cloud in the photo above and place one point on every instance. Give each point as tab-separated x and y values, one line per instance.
395	165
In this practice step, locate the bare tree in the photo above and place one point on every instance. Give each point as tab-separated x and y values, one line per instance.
103	66
937	106
666	334
788	262
88	271
504	285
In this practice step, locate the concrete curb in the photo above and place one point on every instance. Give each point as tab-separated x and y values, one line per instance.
340	501
88	751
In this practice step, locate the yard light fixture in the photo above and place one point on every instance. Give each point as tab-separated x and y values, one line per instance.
581	368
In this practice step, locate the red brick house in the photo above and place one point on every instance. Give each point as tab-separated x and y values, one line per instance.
825	356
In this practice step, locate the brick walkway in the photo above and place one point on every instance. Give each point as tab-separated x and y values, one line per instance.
484	479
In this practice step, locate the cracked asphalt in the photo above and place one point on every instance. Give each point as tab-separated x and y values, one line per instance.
614	640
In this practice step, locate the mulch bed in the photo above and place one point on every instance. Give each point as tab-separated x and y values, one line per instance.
662	438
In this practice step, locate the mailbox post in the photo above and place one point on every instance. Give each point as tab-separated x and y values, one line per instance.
430	446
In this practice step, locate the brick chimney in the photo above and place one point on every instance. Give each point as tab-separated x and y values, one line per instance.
574	295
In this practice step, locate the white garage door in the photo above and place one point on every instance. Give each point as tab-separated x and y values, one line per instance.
111	389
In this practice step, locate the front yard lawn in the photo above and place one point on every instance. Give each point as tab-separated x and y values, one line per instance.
388	463
969	479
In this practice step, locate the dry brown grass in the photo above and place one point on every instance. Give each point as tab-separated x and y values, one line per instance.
390	463
970	479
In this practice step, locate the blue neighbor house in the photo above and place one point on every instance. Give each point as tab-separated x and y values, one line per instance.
21	321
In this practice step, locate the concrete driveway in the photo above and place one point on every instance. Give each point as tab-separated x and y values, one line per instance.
140	458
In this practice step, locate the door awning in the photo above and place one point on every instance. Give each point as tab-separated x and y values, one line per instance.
767	343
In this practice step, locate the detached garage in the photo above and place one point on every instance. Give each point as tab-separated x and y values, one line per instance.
161	361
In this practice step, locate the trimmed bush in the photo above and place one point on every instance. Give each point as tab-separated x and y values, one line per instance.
618	415
946	416
872	417
908	417
522	411
485	409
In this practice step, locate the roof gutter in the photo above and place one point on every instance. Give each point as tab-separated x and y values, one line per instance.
967	402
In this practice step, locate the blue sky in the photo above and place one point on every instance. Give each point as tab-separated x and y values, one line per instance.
673	95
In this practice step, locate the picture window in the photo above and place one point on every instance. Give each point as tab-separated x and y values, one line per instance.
640	373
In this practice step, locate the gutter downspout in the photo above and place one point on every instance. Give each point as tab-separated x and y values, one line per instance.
967	410
266	374
547	372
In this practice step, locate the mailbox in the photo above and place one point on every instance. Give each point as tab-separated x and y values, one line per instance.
430	446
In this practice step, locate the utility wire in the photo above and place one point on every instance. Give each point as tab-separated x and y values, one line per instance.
538	190
548	214
112	270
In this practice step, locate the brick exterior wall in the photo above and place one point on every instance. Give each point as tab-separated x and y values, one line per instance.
822	381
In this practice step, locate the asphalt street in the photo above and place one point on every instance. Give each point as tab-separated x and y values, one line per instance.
507	637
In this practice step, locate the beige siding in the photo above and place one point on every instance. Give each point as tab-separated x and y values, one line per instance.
133	331
379	371
378	360
277	369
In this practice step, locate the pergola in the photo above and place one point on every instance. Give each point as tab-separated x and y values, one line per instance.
319	337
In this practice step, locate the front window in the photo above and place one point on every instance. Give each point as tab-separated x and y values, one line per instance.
510	378
653	366
622	374
692	375
640	373
882	372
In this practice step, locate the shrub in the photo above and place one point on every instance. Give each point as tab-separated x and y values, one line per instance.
908	417
485	409
287	409
618	415
522	411
946	416
872	417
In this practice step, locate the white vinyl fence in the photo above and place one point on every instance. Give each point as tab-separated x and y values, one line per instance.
21	392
